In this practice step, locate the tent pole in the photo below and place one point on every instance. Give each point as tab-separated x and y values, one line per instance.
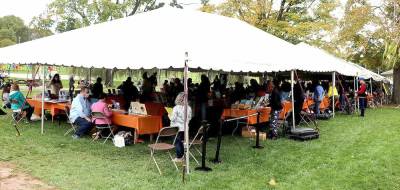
185	78
43	90
333	92
292	86
90	75
159	78
355	91
370	81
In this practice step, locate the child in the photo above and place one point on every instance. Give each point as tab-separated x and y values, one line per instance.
177	120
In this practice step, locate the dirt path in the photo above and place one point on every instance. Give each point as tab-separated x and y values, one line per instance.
10	179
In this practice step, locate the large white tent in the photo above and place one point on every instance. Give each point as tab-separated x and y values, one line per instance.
159	39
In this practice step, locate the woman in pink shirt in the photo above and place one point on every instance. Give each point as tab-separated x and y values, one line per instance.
102	107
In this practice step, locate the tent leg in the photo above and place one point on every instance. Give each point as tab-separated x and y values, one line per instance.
292	86
185	78
43	90
333	92
370	81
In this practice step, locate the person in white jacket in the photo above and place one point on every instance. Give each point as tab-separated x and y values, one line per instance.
177	120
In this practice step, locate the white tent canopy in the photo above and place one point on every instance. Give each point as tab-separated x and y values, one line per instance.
319	59
159	39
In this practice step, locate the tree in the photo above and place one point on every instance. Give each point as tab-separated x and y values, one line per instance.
294	21
391	25
13	30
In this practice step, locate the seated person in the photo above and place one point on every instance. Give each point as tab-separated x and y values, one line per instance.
18	102
101	107
80	113
177	120
6	96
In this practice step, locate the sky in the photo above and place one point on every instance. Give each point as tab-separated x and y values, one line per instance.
27	9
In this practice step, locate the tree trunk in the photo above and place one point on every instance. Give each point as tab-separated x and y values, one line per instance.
109	77
396	85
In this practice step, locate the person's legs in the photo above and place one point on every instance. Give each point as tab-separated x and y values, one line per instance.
179	145
273	123
84	126
362	106
29	112
316	107
203	111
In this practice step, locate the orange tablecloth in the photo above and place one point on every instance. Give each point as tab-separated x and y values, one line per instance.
53	107
142	124
232	113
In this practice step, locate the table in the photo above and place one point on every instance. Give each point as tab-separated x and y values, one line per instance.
232	113
54	107
142	124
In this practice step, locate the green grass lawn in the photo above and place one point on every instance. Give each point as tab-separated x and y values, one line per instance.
351	153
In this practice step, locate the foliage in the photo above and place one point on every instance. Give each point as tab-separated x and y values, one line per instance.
13	30
350	154
294	21
66	15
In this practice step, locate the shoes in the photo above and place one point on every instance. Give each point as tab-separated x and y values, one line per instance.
75	137
177	159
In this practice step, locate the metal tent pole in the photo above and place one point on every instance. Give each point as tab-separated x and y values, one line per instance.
185	78
292	86
43	90
370	81
333	92
355	91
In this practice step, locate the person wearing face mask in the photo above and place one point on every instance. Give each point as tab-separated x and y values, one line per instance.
80	113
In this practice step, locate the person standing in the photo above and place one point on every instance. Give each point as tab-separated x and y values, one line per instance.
362	96
56	85
97	89
71	86
129	92
318	97
80	113
298	96
276	107
202	96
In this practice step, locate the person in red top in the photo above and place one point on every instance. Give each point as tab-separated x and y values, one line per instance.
362	96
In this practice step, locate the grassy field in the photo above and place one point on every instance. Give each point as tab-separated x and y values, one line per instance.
352	153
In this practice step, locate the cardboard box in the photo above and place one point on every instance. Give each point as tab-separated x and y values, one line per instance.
252	134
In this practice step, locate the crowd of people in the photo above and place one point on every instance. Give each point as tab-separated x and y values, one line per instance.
202	96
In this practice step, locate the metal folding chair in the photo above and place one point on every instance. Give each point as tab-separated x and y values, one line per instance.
101	128
164	147
196	141
73	127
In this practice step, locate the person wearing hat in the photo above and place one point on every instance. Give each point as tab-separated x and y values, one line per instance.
362	96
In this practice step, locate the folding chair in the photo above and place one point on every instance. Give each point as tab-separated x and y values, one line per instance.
197	141
101	128
164	147
283	123
73	127
307	116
